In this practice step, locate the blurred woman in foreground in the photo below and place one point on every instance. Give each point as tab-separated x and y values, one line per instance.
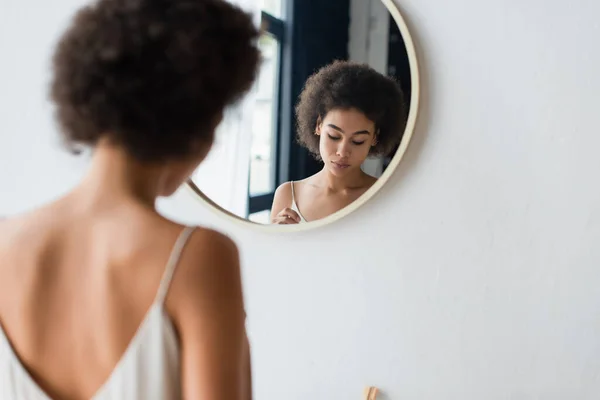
100	296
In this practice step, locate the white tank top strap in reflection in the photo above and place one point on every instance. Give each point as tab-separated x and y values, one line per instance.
149	369
294	205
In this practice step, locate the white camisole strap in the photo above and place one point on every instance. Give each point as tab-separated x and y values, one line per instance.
174	257
295	205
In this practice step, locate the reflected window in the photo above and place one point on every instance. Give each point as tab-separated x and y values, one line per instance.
265	130
272	7
261	217
264	138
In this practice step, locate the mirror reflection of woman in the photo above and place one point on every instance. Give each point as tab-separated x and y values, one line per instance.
346	113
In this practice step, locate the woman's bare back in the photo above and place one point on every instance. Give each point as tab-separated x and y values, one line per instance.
76	283
78	276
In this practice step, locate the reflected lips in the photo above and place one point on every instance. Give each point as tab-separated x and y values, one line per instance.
340	165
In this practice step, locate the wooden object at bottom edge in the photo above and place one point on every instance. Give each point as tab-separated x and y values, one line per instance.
370	393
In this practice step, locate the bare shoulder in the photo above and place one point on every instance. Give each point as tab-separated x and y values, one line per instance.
282	198
22	239
206	306
6	236
9	225
283	192
208	251
24	230
210	245
207	280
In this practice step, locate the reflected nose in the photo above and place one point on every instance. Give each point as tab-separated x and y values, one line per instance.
343	149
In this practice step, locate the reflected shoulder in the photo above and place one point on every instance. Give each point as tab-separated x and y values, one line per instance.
286	186
282	198
283	192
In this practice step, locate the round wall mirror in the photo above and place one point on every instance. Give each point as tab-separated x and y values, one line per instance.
329	118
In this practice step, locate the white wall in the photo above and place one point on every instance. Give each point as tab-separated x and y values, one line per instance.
32	170
473	275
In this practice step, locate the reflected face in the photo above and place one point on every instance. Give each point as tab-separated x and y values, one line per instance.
346	137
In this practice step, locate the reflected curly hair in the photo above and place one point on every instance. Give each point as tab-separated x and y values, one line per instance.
152	76
345	85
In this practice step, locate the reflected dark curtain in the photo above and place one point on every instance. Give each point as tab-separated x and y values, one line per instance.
399	68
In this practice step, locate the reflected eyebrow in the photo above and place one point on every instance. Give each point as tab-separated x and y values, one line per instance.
337	128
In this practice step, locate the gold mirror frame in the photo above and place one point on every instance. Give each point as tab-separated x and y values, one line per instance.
408	132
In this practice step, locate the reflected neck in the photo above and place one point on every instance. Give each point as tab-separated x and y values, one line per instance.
334	183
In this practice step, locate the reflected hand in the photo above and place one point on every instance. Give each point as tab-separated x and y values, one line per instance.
287	216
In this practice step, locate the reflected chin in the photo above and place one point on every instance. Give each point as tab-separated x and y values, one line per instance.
339	169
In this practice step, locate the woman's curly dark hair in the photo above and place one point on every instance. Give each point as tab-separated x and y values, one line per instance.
345	85
152	75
